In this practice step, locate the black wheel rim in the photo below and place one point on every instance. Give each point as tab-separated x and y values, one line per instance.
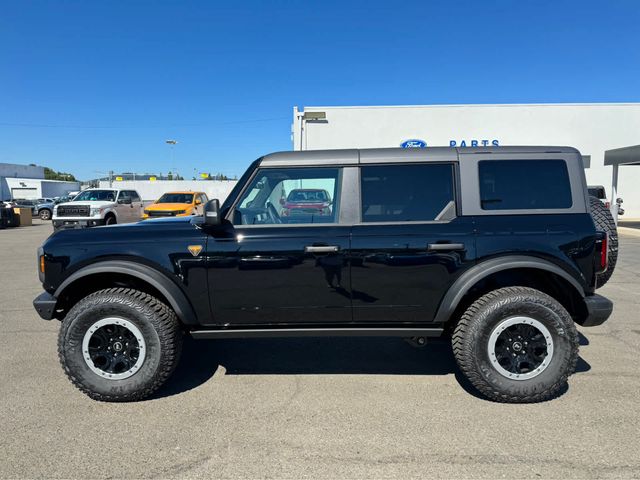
520	348
114	348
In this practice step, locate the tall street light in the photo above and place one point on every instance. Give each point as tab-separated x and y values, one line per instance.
171	144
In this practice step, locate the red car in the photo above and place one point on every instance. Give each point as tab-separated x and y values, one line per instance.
308	201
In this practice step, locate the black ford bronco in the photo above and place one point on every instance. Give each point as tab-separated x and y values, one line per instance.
415	243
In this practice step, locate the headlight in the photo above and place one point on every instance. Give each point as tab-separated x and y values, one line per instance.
95	211
55	210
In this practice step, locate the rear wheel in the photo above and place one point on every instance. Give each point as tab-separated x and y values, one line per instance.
119	344
516	345
45	214
604	222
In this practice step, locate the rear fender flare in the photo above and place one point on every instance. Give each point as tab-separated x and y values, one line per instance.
471	277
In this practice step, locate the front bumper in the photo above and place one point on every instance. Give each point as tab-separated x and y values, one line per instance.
66	224
45	305
599	310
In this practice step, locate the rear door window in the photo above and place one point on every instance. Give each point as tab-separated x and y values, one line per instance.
407	193
524	184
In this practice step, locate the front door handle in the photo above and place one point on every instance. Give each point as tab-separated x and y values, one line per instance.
321	248
445	247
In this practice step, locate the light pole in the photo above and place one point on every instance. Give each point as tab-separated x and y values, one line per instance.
171	144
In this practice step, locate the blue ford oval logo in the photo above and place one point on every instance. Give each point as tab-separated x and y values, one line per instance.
413	143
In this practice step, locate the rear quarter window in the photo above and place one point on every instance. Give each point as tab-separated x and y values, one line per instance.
524	184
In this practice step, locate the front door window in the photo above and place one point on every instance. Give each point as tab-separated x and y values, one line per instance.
290	196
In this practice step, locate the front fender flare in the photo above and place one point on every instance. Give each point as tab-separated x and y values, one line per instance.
468	279
174	295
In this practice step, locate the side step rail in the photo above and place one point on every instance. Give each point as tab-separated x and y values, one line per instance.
317	332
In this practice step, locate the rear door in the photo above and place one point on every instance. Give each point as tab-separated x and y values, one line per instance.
137	204
410	244
124	207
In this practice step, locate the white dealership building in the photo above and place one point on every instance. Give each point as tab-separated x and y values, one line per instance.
598	130
28	182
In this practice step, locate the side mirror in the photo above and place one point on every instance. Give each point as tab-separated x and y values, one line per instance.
212	213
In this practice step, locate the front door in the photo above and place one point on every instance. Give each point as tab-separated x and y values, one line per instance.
284	259
410	245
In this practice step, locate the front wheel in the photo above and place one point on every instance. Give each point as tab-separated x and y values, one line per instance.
45	214
119	344
516	345
110	220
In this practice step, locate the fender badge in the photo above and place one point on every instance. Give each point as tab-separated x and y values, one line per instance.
195	249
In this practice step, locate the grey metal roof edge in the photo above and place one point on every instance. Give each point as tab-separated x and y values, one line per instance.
623	156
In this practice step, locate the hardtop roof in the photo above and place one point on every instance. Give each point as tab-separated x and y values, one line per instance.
390	155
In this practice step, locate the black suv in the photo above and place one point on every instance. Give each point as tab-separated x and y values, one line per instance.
416	243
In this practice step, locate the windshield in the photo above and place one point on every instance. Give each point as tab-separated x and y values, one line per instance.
308	196
176	198
96	195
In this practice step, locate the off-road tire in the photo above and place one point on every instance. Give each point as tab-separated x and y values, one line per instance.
158	325
604	222
44	214
110	219
470	343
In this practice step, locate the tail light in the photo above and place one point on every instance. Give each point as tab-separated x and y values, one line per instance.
604	252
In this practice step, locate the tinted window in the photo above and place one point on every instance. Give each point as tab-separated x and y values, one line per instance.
134	196
524	184
400	193
96	195
176	198
275	196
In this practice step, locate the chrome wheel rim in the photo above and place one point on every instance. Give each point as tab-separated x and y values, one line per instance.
114	348
520	348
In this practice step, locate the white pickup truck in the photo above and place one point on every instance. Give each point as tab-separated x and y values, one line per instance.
98	206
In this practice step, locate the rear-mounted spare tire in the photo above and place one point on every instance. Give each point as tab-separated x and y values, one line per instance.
604	222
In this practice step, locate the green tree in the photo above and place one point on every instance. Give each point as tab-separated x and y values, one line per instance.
50	174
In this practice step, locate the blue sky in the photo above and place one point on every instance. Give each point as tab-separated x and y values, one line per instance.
88	86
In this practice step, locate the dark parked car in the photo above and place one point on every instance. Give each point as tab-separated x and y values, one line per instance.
420	243
44	209
26	203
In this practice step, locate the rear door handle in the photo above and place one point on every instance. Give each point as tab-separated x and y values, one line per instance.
445	247
321	248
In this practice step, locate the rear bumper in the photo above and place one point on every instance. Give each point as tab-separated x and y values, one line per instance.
45	305
599	310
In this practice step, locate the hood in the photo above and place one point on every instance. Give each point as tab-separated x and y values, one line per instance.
168	206
154	229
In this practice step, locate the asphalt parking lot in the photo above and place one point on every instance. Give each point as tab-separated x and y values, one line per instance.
313	408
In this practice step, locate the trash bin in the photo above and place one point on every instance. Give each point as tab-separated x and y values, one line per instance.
4	217
12	218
